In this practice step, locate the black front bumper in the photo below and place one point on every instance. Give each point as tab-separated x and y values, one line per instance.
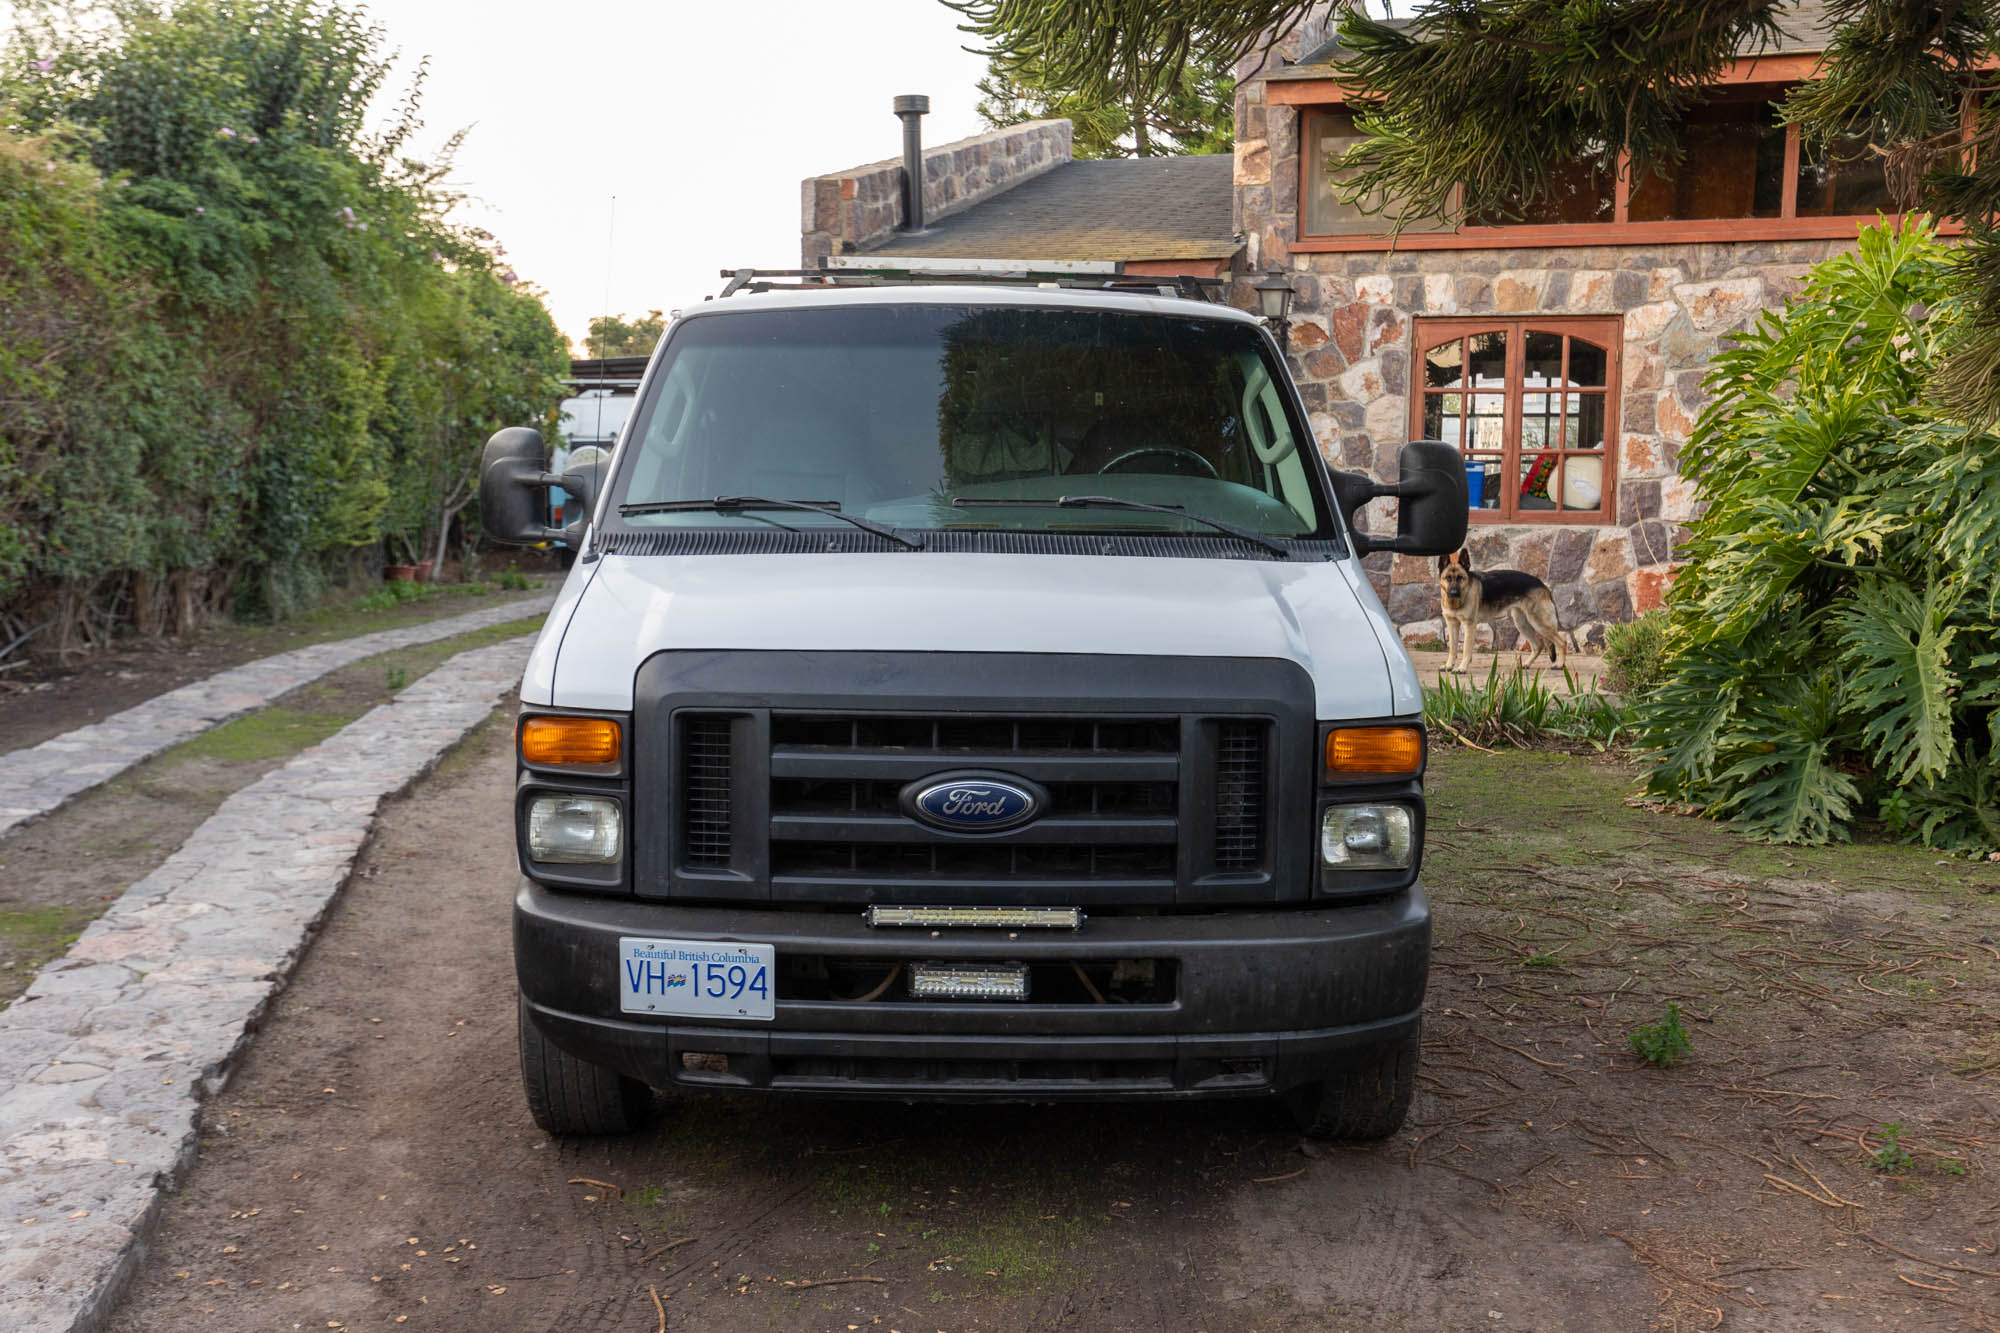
1265	1001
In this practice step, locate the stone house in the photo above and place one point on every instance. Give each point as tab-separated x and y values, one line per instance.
1563	353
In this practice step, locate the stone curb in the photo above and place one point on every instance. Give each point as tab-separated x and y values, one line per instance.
43	777
116	1044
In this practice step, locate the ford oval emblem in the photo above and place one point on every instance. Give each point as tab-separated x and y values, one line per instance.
973	802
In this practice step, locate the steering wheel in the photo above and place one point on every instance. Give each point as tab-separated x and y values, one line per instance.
1172	450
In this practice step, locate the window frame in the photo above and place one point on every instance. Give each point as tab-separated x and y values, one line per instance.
1600	331
1788	225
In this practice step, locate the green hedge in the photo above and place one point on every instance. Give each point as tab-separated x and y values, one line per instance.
238	337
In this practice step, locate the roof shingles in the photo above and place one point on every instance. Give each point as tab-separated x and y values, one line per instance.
1125	209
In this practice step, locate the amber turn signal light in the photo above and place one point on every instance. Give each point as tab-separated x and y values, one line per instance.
1390	751
568	740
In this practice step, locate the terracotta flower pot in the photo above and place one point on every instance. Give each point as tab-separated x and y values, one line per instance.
399	573
424	568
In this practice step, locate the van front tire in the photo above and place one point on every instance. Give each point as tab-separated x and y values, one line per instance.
568	1096
1362	1101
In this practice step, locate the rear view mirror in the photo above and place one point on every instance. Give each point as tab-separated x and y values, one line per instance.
513	475
510	480
1430	485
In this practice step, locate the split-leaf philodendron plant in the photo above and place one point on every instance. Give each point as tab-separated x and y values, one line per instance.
1833	641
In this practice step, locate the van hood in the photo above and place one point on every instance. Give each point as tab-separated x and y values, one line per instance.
617	610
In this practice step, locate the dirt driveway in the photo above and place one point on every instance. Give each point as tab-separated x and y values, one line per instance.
372	1166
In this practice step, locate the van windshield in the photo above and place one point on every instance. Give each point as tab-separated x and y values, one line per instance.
932	417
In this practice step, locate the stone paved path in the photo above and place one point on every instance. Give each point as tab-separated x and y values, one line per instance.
104	1059
37	780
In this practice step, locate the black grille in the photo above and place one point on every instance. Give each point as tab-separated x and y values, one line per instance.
705	761
1239	797
960	736
1113	786
847	860
789	779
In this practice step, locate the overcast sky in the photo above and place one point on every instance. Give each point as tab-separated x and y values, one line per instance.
700	116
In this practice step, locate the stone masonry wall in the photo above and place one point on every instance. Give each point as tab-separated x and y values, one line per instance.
847	211
1353	331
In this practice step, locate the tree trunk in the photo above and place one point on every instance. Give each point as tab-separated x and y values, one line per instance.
144	602
461	496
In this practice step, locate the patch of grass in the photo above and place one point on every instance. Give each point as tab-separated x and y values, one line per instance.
470	750
31	937
1664	1043
1892	1158
41	930
353	616
700	1134
1430	645
1570	809
282	730
1023	1230
1977	1061
1021	1247
1521	711
1949	1166
374	609
1541	960
402	590
512	580
268	733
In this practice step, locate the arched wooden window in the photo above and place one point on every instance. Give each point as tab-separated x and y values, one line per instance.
1532	404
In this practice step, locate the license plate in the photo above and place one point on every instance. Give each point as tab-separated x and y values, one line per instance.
695	978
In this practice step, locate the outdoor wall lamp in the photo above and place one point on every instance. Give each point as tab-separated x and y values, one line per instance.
1274	294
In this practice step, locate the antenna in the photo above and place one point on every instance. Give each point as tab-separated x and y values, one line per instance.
610	235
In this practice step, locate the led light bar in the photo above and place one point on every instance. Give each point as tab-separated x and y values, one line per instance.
969	981
992	918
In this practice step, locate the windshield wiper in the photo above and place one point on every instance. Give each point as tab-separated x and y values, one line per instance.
1270	544
723	504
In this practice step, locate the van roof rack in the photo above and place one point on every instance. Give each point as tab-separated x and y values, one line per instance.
1077	274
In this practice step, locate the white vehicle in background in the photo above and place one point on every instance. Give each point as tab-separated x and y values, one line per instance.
970	691
594	417
588	422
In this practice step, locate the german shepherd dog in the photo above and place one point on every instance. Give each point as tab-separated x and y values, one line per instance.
1468	597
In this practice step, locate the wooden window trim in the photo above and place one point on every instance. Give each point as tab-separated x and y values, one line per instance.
1786	227
1795	67
1753	72
1605	332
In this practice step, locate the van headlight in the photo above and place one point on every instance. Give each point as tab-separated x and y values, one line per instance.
1367	837
574	830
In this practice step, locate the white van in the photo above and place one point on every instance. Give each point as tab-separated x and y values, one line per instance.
970	692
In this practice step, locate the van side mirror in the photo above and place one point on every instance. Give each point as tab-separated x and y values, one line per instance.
1431	518
513	474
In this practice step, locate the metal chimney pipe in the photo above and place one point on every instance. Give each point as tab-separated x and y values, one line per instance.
912	107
